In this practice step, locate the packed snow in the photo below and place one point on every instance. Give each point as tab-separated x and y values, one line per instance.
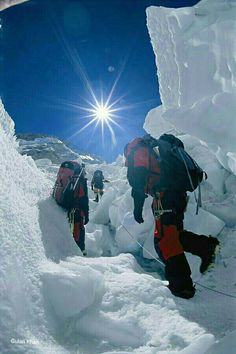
115	300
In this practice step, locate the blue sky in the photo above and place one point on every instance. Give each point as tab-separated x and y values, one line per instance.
57	55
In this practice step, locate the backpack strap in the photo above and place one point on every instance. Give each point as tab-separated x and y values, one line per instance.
190	179
77	179
198	199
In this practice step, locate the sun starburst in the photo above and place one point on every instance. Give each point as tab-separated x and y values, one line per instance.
102	113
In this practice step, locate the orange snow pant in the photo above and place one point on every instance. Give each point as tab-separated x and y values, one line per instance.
77	227
168	227
171	240
97	192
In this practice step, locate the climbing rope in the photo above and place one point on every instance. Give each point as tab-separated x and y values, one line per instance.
143	246
195	282
215	291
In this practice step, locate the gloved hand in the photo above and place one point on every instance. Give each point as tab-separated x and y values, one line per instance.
138	215
86	219
139	199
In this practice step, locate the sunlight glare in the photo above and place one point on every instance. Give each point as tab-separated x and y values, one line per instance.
102	112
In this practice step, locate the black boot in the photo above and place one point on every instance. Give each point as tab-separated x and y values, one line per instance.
184	293
209	257
200	245
96	199
178	274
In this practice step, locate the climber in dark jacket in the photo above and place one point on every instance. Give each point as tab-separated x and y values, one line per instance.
170	238
78	214
97	184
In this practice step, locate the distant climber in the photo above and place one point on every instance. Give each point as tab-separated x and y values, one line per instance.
97	184
71	193
163	169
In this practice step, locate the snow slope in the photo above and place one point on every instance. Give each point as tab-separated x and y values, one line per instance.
55	301
21	250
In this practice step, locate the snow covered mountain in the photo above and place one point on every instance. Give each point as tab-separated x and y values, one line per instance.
53	300
40	146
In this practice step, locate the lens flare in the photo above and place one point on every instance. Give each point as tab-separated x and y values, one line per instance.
102	113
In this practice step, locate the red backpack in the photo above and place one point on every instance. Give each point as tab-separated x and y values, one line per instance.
139	154
172	165
67	179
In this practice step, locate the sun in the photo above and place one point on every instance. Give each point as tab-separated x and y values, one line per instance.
102	113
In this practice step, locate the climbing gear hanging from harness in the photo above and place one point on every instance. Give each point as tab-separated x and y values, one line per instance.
71	219
158	210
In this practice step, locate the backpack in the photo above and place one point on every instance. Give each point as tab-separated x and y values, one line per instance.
178	170
98	174
139	154
67	180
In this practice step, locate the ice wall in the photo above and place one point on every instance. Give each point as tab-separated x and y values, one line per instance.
22	308
195	51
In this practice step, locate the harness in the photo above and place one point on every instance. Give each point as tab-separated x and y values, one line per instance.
158	210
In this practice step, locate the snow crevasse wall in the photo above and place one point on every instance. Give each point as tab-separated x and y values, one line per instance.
195	55
22	184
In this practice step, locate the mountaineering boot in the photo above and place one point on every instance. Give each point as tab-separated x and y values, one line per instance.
209	257
96	199
178	273
201	246
84	253
187	293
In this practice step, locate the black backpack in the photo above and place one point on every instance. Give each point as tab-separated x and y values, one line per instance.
98	173
179	171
